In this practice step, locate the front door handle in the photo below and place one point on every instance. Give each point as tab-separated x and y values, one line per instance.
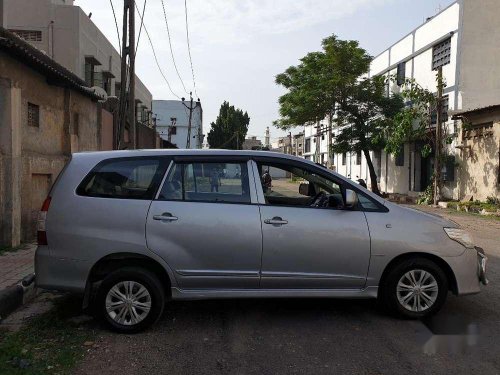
166	216
276	221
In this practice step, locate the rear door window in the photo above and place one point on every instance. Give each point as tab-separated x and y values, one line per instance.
126	178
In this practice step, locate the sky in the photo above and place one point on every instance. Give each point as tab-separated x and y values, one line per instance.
239	46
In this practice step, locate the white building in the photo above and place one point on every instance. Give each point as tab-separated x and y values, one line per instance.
66	34
172	122
317	142
464	39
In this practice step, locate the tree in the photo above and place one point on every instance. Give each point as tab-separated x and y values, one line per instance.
414	121
318	83
327	84
229	129
363	117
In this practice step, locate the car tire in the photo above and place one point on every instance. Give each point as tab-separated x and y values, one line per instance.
130	299
414	288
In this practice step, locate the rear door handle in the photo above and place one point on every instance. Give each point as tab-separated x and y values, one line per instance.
166	216
276	221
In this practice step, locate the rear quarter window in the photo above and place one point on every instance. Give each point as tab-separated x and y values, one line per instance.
125	178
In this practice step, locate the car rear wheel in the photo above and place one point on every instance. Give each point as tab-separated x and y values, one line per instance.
130	299
415	288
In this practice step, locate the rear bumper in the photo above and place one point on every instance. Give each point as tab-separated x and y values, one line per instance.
68	275
469	270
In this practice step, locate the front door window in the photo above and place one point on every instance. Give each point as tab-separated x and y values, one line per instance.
285	185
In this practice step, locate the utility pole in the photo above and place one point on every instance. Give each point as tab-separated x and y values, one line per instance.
131	97
318	140
128	50
439	141
191	109
173	121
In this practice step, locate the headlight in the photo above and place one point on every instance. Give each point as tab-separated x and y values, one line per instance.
461	236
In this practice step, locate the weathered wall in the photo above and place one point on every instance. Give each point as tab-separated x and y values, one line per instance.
146	137
478	170
106	131
32	157
10	164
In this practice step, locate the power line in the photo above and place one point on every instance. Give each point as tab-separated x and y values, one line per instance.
189	47
140	28
156	58
229	140
171	49
116	24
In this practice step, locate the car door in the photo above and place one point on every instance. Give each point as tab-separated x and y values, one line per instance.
204	225
304	246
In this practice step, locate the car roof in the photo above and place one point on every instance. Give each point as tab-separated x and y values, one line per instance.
183	152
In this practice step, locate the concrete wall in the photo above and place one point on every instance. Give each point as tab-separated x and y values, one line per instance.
32	157
2	13
166	109
146	137
480	54
107	132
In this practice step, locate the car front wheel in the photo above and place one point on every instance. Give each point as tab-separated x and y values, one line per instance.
415	288
130	299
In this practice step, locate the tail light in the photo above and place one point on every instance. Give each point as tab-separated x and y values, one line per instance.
42	218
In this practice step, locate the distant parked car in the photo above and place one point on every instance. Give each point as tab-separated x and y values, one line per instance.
131	230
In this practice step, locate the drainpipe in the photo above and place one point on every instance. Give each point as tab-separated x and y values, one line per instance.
386	170
51	39
410	156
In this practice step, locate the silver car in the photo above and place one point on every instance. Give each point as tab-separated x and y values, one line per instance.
131	230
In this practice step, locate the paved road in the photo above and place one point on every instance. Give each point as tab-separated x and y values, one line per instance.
315	336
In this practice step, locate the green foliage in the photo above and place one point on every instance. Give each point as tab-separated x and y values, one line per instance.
48	343
427	196
413	122
320	81
328	84
493	201
364	115
229	129
492	204
8	249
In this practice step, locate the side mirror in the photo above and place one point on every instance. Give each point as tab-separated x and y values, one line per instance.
351	198
304	189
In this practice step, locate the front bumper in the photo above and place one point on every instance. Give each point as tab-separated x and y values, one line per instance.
481	265
469	270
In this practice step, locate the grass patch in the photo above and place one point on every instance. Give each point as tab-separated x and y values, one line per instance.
8	249
48	344
472	214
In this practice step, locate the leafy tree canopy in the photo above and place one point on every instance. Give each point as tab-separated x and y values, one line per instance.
319	82
413	121
229	129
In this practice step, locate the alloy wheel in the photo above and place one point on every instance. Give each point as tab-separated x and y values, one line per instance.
417	290
128	302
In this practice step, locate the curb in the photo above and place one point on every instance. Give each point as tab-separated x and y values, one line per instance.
17	295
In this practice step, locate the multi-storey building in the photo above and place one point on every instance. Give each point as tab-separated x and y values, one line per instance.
172	122
68	36
317	143
463	39
252	143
